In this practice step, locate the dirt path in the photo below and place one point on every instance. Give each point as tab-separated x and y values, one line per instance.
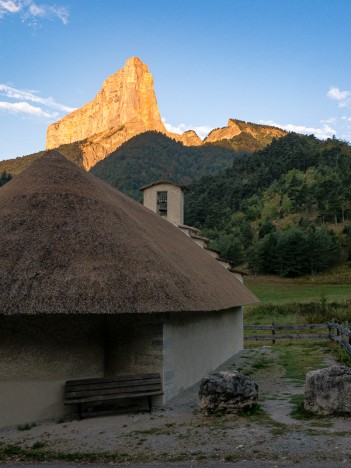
179	433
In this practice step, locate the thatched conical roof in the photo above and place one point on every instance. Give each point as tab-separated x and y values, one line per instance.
70	243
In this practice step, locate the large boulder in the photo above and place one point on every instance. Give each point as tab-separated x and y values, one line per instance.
328	391
226	392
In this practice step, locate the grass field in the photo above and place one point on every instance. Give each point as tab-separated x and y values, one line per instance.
316	299
336	287
279	293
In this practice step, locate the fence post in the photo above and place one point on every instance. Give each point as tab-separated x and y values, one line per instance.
349	336
273	334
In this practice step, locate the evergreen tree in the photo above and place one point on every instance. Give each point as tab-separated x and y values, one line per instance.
4	178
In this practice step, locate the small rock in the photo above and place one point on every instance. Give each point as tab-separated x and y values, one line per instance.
227	392
328	391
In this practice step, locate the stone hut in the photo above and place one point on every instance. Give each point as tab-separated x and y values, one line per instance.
93	284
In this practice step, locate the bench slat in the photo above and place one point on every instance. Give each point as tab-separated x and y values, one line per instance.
116	378
97	398
111	384
108	389
114	391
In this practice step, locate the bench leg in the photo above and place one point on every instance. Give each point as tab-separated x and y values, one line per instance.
150	403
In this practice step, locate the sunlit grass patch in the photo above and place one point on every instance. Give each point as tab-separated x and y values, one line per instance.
297	360
334	285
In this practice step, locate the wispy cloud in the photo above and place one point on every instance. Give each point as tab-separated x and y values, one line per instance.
331	120
343	122
202	130
14	93
323	132
343	97
7	6
25	108
345	128
44	107
30	11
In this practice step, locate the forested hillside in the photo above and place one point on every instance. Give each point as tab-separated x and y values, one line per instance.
17	165
283	210
243	143
4	178
252	137
152	156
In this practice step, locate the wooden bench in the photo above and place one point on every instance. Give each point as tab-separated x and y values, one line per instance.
101	390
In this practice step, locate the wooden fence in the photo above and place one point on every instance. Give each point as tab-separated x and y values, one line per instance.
342	336
332	331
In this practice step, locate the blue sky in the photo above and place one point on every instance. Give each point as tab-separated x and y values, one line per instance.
284	62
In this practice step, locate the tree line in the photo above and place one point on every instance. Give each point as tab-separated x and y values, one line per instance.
152	156
282	210
4	178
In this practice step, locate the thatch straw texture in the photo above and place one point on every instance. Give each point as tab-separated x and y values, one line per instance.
70	243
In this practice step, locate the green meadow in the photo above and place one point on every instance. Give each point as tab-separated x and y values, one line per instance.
335	287
316	299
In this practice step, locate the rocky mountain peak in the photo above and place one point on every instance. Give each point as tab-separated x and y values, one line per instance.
125	106
236	127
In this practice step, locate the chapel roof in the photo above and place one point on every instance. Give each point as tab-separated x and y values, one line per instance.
163	182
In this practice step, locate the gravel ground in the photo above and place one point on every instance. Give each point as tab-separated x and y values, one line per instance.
179	433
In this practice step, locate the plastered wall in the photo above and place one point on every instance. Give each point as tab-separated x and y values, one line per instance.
195	344
175	201
37	355
134	344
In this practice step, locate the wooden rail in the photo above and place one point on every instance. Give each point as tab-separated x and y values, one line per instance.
287	336
340	336
274	326
336	332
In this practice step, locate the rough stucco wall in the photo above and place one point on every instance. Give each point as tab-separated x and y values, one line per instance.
175	201
134	345
196	344
37	356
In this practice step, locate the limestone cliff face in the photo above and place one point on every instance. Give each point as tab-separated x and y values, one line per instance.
235	127
125	106
188	138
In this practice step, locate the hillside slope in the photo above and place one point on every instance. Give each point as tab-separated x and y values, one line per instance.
152	156
16	165
250	138
278	205
244	136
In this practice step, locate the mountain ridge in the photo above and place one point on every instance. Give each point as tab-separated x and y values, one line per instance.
126	106
153	156
235	127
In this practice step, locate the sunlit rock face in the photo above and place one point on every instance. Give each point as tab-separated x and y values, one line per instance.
235	127
125	106
189	138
